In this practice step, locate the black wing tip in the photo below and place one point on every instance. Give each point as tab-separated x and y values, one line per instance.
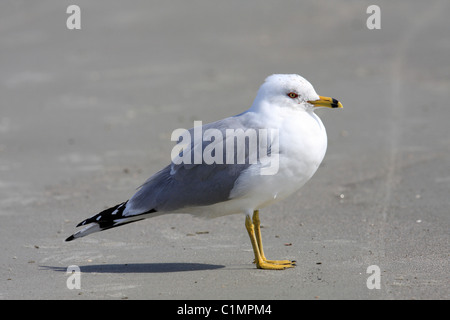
107	219
105	215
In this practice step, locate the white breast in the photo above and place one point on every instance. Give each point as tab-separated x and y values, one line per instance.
303	143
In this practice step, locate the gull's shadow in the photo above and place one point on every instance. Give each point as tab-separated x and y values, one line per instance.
140	267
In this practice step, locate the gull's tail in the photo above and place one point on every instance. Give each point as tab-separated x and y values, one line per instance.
107	219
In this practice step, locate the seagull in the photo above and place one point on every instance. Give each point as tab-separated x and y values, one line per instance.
218	173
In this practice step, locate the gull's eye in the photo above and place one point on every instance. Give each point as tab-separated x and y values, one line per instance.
292	95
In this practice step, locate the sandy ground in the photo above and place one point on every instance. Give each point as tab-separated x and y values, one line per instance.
86	116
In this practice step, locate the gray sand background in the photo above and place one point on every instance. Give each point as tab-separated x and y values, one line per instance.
86	117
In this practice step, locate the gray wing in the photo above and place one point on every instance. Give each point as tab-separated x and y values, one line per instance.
184	185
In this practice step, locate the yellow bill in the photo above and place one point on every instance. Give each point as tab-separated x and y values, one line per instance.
326	102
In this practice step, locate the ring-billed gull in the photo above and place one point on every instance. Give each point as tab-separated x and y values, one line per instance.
218	173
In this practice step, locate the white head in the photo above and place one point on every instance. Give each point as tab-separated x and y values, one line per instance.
291	91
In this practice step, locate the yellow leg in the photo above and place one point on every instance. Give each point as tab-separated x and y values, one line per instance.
257	224
262	263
